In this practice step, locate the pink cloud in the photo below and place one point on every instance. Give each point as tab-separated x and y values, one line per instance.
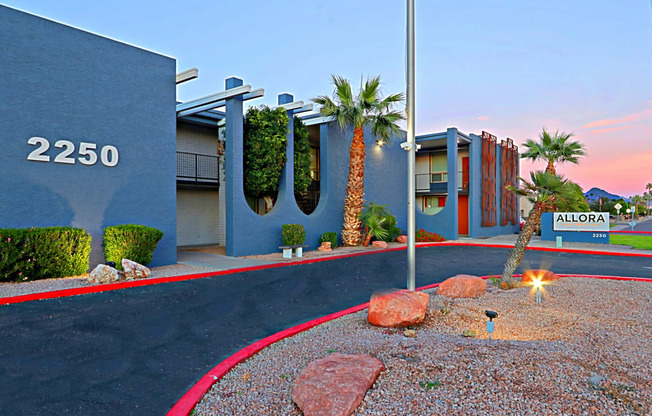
623	120
600	131
483	118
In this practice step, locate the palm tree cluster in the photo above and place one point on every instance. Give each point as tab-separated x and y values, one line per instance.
367	109
546	190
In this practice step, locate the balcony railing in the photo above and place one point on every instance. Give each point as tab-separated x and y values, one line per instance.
424	180
198	169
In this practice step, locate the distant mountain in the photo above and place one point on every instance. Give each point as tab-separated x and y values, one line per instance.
594	193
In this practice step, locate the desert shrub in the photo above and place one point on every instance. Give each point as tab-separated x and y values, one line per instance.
329	237
422	236
130	241
43	253
293	234
392	230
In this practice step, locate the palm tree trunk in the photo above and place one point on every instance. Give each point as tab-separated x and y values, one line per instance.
354	201
551	167
531	225
367	238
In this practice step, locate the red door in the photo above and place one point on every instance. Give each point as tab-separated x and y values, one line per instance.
463	214
465	173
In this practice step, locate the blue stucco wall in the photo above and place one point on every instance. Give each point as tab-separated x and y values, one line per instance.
250	233
61	83
444	222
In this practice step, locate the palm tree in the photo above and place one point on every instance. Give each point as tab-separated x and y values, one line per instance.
373	217
647	197
367	109
557	148
636	200
546	191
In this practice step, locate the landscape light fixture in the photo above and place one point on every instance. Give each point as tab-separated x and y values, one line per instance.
490	323
537	284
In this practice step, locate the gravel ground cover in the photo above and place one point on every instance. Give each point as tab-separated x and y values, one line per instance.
585	350
9	289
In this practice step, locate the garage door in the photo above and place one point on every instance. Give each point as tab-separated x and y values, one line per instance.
197	217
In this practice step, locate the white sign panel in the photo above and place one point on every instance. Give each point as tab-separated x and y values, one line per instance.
580	221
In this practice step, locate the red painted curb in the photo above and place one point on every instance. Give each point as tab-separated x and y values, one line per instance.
138	283
147	282
188	401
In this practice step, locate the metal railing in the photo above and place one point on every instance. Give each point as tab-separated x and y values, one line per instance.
423	180
200	169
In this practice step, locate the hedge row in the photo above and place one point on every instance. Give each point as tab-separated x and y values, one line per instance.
51	252
130	241
43	253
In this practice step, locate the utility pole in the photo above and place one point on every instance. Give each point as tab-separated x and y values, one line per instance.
410	144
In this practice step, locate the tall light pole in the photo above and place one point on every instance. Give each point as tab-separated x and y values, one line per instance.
410	144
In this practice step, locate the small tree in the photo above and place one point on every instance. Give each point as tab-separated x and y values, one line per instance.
546	191
302	179
265	141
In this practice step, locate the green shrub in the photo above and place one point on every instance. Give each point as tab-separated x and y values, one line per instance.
264	144
302	179
43	253
393	232
422	236
293	234
130	241
330	237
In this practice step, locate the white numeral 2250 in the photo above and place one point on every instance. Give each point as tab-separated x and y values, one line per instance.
87	155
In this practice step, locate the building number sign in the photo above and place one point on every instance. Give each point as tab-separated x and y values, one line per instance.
87	152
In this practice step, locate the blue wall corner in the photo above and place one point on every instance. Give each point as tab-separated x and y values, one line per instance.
104	104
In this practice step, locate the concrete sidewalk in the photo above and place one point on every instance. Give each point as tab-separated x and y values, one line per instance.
216	261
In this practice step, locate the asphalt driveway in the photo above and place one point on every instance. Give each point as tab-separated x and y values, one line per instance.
137	351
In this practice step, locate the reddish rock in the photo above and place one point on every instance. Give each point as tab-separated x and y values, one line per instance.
335	385
462	286
325	246
401	308
379	244
134	270
545	275
402	239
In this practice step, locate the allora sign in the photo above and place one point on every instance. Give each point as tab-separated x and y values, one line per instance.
580	221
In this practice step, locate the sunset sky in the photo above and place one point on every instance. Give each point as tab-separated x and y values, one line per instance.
509	67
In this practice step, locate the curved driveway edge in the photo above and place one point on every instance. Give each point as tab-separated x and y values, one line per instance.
188	401
136	351
147	282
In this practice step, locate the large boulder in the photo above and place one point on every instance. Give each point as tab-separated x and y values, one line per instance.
544	275
379	244
335	385
402	239
104	274
134	270
462	286
400	308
